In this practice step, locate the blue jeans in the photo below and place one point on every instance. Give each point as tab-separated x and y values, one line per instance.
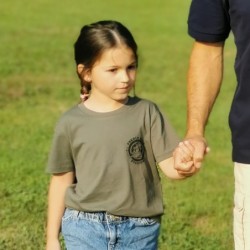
103	231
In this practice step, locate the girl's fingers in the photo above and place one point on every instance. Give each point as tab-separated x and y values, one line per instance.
191	172
186	166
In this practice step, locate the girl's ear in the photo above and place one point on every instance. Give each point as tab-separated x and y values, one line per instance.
80	68
84	73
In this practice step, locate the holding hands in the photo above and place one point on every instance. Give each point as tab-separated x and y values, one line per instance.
189	155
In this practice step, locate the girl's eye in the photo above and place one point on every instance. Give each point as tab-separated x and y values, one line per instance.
132	67
112	70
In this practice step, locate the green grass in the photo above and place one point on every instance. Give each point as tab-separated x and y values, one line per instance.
38	83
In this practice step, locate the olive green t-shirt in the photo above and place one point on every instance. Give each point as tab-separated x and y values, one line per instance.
114	156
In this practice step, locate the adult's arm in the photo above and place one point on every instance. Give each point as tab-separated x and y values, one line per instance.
56	207
204	80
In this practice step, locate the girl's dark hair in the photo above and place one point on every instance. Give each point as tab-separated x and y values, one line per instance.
94	39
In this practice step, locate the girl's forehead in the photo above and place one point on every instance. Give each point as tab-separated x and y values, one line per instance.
117	55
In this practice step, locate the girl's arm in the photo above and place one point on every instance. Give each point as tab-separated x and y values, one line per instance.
56	207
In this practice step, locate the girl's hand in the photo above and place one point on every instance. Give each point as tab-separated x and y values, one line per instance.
53	245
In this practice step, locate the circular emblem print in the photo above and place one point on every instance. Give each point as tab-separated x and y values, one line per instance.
136	150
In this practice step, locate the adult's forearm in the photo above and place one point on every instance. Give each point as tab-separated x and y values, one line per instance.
204	81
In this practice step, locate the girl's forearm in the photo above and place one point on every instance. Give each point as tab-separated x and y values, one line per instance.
56	203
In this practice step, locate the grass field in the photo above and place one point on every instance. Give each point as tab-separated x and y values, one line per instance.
38	83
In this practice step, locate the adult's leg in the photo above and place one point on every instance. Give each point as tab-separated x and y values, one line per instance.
242	206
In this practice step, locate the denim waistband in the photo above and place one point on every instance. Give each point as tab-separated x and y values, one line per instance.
105	216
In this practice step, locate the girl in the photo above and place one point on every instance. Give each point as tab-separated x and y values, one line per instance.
105	190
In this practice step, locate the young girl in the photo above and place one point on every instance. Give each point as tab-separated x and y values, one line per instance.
105	190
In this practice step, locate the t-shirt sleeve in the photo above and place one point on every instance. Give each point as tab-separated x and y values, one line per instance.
164	138
208	21
60	157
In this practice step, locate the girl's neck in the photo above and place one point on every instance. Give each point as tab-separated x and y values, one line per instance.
102	106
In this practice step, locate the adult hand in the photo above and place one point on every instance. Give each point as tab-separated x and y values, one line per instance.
200	148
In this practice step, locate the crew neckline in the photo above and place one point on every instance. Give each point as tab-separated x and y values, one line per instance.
123	108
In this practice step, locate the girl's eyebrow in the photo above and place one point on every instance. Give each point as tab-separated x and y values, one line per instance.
134	62
115	66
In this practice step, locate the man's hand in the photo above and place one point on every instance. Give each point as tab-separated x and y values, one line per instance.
189	155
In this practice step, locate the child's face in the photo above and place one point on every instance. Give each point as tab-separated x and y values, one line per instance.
113	75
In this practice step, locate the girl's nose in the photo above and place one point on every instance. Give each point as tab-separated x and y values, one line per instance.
125	76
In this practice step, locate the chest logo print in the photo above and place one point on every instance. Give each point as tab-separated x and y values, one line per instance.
136	150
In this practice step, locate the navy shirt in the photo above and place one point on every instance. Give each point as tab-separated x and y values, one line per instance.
211	21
